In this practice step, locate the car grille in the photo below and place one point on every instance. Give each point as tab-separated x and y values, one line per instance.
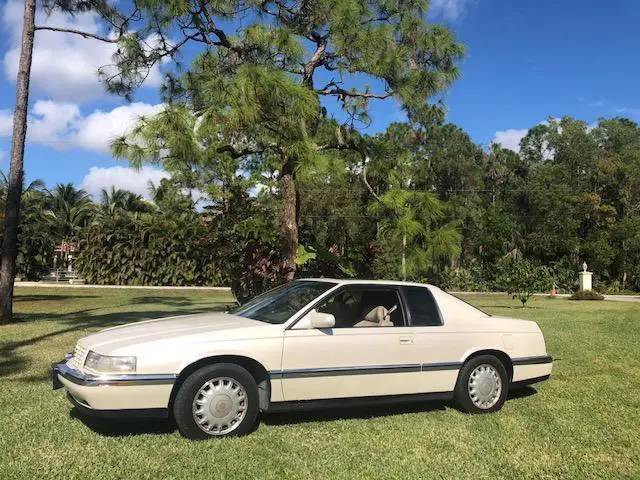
79	355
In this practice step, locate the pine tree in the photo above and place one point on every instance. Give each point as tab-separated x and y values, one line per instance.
266	72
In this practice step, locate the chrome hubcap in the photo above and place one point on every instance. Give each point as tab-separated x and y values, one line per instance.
220	406
485	386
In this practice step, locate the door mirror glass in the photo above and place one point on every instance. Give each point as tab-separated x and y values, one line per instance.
321	320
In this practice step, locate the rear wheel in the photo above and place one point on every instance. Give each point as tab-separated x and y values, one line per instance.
216	401
482	386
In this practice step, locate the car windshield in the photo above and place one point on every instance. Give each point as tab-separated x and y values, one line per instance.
279	304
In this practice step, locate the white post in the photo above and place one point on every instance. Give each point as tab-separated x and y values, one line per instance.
585	278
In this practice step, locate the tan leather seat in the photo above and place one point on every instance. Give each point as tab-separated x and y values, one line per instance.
377	317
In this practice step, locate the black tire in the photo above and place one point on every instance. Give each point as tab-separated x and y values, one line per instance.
185	398
463	396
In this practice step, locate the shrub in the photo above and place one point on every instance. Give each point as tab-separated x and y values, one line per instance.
521	278
461	279
586	295
153	250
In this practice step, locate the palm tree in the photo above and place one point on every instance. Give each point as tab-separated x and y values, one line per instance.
168	198
31	192
68	211
118	201
411	223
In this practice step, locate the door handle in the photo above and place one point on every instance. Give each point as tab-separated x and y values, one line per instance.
406	341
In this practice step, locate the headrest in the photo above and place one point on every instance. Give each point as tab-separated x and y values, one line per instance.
377	315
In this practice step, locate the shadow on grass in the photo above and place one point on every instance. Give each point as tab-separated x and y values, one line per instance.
171	301
52	298
11	361
511	307
364	412
124	427
130	427
353	412
521	392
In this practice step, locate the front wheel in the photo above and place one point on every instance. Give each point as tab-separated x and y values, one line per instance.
218	400
482	385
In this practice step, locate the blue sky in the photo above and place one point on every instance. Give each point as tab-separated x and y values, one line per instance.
527	60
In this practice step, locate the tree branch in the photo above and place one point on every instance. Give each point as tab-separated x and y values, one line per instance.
77	32
366	182
316	59
239	153
332	88
365	160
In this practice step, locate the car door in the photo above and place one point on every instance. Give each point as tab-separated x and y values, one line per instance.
356	358
438	348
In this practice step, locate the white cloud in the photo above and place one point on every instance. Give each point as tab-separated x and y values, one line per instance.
634	112
50	121
510	138
61	125
450	9
3	154
97	130
136	181
6	123
64	65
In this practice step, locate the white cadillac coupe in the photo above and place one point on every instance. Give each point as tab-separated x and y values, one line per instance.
311	343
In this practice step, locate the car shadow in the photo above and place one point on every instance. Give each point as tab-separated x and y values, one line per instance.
124	427
521	392
353	412
132	427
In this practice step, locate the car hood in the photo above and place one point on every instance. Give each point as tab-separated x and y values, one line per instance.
199	327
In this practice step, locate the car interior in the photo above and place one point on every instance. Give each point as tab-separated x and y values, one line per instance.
365	308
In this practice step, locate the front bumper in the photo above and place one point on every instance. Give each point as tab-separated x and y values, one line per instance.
87	379
113	393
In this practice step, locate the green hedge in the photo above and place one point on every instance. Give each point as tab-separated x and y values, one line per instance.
149	251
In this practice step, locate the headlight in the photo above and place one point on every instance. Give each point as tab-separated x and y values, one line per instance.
106	364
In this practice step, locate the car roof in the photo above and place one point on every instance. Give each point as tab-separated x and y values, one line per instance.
352	281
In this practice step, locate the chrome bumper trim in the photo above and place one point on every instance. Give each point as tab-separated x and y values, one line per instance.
89	380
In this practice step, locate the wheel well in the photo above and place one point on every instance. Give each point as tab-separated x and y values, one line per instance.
500	355
255	368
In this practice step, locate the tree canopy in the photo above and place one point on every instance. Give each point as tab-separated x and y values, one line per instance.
256	96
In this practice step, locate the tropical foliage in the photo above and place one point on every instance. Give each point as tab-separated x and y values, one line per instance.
522	278
492	220
255	97
272	174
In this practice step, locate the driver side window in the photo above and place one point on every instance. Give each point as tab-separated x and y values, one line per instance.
365	307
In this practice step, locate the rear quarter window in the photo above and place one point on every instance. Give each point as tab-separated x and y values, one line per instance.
422	306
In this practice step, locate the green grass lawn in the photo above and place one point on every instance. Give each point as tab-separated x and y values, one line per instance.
583	423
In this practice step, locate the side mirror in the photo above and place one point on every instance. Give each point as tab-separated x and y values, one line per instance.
321	320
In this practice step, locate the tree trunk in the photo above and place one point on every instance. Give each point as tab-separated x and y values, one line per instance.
16	171
404	257
289	220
